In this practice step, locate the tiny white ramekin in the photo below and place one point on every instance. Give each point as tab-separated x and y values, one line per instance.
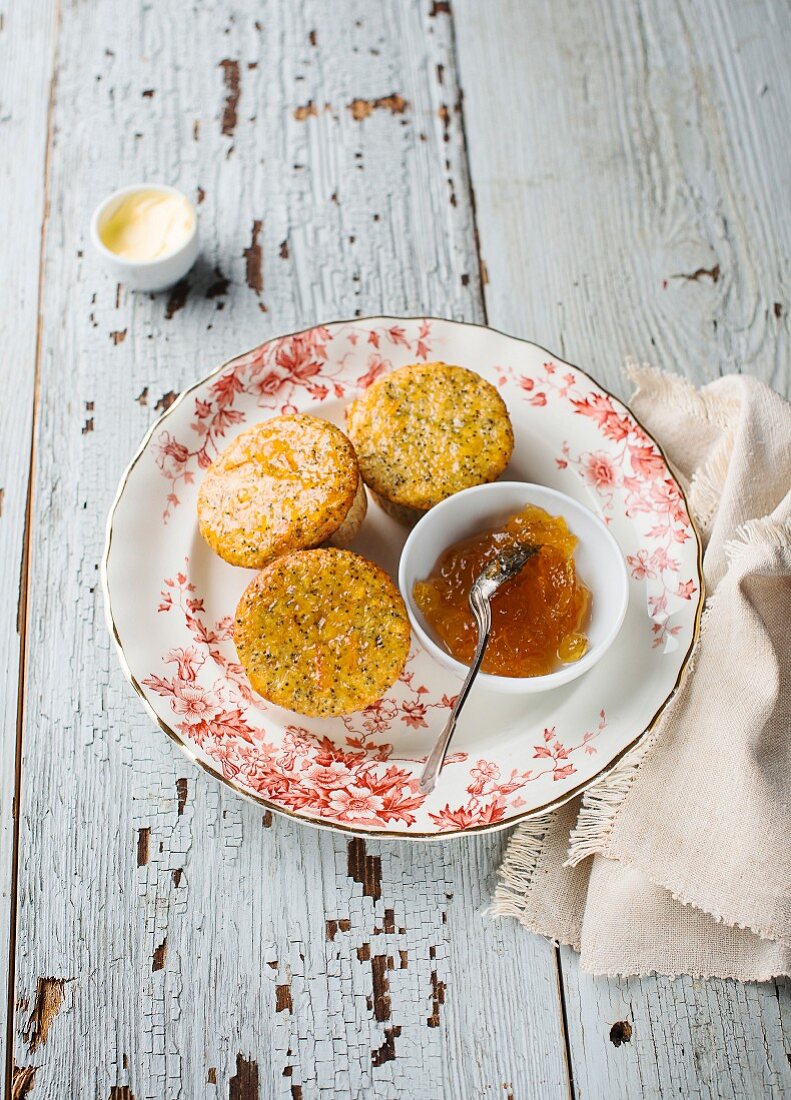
149	275
597	557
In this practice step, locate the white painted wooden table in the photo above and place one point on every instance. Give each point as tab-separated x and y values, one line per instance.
614	182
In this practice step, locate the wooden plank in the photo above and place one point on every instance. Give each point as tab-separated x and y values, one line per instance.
26	38
656	1037
630	168
171	937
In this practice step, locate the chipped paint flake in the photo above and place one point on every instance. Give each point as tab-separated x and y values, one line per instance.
159	956
46	1006
177	298
364	869
386	1052
253	258
143	837
230	72
22	1081
362	108
437	999
308	110
283	1002
165	401
244	1084
181	783
381	988
620	1032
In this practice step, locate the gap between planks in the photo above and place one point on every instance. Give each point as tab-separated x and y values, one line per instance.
22	612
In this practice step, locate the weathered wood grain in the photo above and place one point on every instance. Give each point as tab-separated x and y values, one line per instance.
178	941
25	72
654	1037
631	165
631	168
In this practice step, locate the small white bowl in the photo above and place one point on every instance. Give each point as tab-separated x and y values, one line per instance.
149	275
597	557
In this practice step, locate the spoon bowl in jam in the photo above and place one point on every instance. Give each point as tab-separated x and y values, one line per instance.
552	622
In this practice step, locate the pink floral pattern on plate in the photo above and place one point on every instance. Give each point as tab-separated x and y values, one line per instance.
278	376
360	781
360	772
628	472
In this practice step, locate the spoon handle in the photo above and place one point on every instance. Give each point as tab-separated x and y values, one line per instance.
483	617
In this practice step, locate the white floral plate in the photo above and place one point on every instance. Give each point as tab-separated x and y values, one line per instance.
170	600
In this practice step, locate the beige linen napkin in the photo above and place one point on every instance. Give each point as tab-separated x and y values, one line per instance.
680	861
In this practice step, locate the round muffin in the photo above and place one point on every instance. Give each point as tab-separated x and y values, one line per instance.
322	633
288	483
424	432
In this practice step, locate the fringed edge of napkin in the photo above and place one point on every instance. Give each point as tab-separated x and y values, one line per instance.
515	875
705	488
600	803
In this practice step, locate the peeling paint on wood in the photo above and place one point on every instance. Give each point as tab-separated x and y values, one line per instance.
22	1081
164	402
306	111
381	987
437	999
283	1002
159	957
219	287
363	108
143	836
230	72
253	259
244	1083
333	926
46	1006
620	1032
177	298
386	1052
364	869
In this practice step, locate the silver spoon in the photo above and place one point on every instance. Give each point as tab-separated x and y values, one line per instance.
499	570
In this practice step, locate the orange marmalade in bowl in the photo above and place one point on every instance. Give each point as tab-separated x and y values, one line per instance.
538	618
